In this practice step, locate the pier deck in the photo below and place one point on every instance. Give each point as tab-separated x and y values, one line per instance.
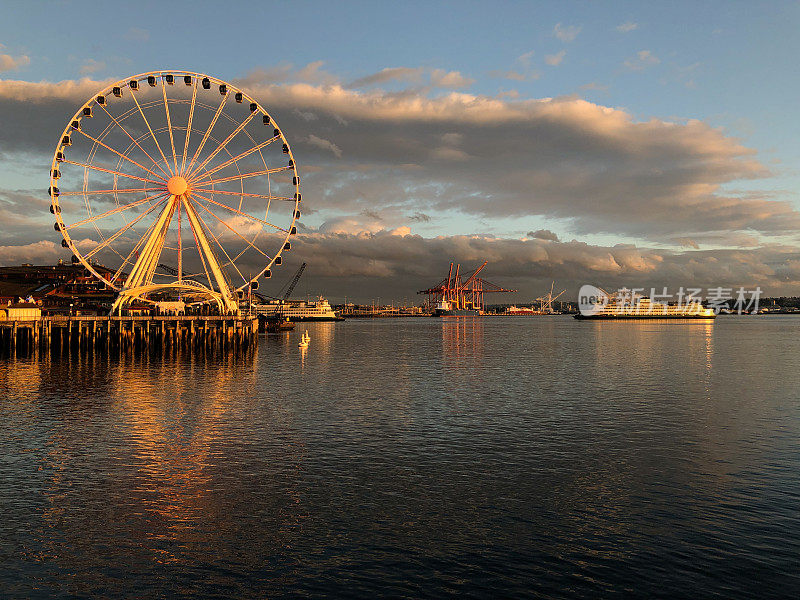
114	332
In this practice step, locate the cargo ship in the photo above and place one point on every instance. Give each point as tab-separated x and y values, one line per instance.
523	310
447	309
314	310
642	307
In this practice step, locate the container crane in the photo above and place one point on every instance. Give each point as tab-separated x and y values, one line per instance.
292	285
463	294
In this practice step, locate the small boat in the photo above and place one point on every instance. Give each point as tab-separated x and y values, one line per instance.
277	325
304	340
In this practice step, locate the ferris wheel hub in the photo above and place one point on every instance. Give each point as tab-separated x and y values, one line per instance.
177	185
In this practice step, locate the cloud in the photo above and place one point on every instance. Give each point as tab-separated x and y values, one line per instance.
136	34
43	251
448	154
360	256
555	59
261	75
566	33
388	74
450	79
306	116
596	168
687	243
357	259
313	73
593	85
627	27
516	75
92	66
642	60
525	59
543	234
437	78
325	145
13	63
521	71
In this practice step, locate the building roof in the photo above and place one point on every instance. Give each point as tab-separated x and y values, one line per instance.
20	289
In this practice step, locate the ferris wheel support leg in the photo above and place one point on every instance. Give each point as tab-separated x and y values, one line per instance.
222	285
145	266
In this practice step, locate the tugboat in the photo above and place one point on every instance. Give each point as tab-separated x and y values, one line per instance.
276	325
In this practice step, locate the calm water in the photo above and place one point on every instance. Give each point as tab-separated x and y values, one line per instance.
495	457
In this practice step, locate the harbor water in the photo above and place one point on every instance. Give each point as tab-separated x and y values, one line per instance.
501	457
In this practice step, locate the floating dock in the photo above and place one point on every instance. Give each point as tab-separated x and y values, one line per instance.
115	333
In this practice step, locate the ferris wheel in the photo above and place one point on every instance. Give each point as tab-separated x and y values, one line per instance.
175	184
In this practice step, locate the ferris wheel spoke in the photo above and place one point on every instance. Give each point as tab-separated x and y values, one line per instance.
150	129
202	257
135	249
114	211
169	125
110	171
107	241
239	212
245	194
125	131
112	191
208	132
224	143
189	127
246	241
118	153
211	233
244	154
242	176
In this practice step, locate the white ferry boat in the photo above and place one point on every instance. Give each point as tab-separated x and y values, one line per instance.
641	307
313	310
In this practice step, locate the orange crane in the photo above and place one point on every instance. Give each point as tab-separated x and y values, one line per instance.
462	294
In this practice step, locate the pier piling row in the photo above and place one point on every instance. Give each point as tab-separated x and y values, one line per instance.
114	332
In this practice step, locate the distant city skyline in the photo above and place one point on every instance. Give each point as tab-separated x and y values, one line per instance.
620	145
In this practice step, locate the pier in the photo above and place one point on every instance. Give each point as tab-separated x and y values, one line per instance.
115	333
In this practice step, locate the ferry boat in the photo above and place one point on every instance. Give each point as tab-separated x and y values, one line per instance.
314	310
641	307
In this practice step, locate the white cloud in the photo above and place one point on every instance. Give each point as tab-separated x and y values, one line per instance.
313	73
92	66
41	251
642	60
13	63
324	145
555	59
408	74
449	79
627	27
438	78
566	33
595	167
525	59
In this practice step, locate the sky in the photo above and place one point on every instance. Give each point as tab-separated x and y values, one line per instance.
618	144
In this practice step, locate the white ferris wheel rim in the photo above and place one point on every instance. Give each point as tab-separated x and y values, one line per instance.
197	78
